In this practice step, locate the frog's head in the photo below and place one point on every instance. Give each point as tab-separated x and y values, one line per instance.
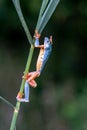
47	40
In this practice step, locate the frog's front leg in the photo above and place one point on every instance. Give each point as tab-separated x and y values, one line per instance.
36	36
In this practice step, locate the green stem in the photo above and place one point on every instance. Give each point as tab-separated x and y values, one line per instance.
15	115
16	111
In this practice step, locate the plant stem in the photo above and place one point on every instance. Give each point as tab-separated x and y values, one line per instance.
18	9
16	111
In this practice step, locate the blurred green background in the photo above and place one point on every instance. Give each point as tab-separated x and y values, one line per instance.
60	100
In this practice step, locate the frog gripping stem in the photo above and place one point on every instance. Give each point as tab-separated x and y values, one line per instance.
45	51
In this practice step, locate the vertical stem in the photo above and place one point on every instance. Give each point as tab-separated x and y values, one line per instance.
15	115
18	9
16	111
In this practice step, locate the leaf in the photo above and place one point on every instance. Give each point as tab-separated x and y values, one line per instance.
47	15
7	102
43	7
18	9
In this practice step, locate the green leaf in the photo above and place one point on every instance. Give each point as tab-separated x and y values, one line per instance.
43	7
7	102
18	9
47	15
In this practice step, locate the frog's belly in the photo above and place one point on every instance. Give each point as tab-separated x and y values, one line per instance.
40	60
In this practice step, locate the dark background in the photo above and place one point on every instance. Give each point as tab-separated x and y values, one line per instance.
60	100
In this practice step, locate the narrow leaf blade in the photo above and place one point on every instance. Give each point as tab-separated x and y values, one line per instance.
47	14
